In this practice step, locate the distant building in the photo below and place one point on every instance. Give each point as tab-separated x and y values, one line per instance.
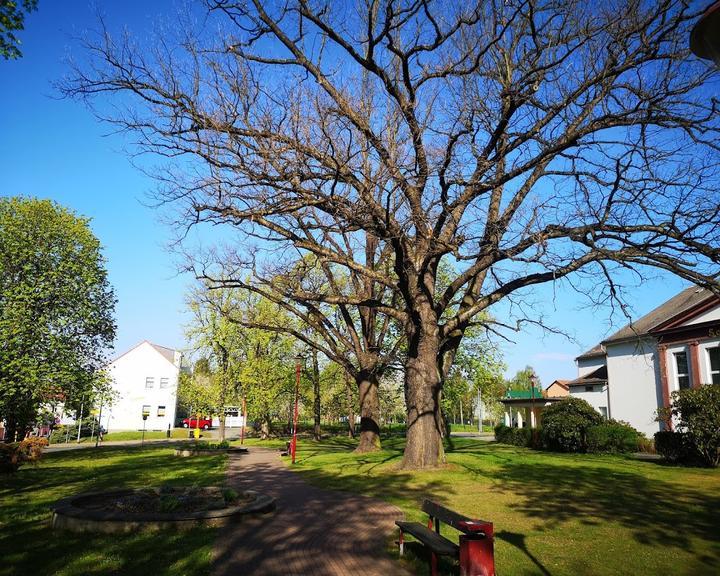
632	373
524	408
558	389
145	379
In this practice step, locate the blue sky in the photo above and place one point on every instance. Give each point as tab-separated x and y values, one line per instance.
54	148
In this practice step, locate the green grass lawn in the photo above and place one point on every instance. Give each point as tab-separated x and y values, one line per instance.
132	435
554	514
29	546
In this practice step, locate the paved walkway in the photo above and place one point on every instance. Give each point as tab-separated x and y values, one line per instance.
313	532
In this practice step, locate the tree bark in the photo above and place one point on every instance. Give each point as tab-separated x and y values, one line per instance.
423	385
265	428
367	383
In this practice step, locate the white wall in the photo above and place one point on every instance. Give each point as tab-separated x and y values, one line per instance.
129	373
634	380
587	365
709	316
597	398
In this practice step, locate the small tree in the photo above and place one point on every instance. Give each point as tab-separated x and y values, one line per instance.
697	412
566	424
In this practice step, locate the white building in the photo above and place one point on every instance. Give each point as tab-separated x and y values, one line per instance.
632	373
145	378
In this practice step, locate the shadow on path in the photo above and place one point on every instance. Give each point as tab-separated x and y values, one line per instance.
313	532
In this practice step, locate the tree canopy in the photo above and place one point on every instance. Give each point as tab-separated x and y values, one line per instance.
56	309
12	19
524	141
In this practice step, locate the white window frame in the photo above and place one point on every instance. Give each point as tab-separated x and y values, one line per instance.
161	410
164	382
673	368
710	371
149	382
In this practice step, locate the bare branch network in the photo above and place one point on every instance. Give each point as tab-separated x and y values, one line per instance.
522	141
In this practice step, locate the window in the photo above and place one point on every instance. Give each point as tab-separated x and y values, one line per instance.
146	410
603	412
714	359
682	373
161	411
589	388
164	382
149	382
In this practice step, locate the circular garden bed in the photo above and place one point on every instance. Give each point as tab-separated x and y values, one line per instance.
207	449
157	509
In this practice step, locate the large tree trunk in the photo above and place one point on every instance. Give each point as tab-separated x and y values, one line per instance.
423	384
367	383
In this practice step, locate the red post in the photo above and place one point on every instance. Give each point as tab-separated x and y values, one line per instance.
293	446
242	430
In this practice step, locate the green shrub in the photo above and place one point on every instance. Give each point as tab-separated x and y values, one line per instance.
502	433
613	436
698	415
566	424
516	436
674	447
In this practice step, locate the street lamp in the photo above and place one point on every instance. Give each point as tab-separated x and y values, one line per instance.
705	36
298	366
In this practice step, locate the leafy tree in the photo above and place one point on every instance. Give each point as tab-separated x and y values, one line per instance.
218	338
530	142
477	367
523	379
339	395
12	19
56	310
197	390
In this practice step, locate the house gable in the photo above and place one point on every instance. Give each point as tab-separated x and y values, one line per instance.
167	353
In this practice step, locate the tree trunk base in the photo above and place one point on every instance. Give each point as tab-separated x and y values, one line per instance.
424	447
369	442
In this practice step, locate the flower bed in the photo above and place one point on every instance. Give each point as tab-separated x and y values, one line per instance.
157	508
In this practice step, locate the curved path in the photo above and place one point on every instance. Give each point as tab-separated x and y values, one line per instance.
314	532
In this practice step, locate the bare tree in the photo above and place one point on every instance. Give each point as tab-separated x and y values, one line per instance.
355	337
525	141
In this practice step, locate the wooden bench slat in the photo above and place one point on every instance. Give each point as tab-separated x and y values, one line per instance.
447	516
437	543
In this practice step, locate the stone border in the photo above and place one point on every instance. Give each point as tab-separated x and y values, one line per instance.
186	452
68	515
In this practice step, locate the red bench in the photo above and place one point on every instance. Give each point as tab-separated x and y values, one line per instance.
475	552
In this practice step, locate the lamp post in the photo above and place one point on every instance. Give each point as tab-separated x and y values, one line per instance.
293	446
705	35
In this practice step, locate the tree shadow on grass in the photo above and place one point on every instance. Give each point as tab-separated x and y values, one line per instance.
656	512
30	546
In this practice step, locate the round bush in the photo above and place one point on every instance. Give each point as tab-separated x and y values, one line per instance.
565	425
613	436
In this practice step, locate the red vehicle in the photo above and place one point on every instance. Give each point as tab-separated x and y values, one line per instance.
204	423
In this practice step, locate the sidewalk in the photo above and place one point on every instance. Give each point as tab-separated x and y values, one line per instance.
313	532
